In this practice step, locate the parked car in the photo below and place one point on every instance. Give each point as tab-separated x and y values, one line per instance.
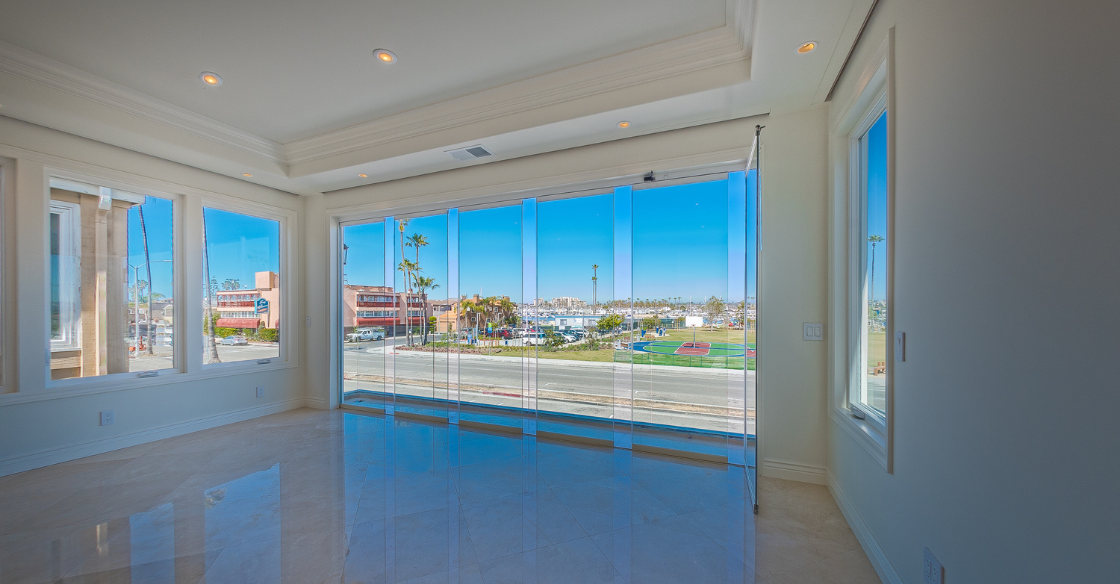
365	334
235	340
568	337
534	339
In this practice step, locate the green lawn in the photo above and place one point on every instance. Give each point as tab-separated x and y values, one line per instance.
876	348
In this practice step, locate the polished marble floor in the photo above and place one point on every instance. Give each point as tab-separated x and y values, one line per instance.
311	496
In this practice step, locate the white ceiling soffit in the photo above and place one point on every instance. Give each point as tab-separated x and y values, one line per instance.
712	74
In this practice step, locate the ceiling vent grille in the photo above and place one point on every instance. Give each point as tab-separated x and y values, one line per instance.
469	153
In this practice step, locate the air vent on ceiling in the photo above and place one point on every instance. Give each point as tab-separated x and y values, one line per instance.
469	153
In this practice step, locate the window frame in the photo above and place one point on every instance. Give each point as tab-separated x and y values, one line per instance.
124	379
286	220
69	292
858	262
872	94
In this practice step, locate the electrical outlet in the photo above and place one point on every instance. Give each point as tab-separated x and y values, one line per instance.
260	391
932	571
107	418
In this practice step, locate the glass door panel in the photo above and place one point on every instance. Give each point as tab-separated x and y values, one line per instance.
682	350
368	309
492	336
575	283
420	283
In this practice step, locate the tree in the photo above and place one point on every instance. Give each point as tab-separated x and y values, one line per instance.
609	323
231	284
594	285
649	323
737	312
406	268
875	240
423	284
213	344
148	265
714	308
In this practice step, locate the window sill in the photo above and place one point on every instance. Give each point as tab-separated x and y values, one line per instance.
74	387
867	435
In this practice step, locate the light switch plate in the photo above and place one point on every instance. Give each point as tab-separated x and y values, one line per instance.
899	346
813	331
260	391
932	570
107	418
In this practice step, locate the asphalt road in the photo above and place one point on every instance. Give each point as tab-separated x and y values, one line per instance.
682	396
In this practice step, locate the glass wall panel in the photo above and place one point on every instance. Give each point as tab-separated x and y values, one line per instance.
368	313
575	282
241	265
750	328
112	281
492	335
683	357
420	351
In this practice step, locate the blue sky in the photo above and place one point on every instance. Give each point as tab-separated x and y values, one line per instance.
240	246
877	201
688	240
159	225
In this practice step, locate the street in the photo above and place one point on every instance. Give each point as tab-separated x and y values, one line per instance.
710	399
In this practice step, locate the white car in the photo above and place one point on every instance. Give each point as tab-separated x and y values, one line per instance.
534	339
235	340
365	335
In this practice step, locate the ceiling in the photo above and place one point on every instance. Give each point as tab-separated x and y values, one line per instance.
305	107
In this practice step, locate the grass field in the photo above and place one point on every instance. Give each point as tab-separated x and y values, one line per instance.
876	348
607	354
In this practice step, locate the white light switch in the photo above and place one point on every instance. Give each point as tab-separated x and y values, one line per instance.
932	571
899	346
107	418
814	331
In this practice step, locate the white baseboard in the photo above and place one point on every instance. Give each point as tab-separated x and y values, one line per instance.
793	471
317	403
878	558
67	453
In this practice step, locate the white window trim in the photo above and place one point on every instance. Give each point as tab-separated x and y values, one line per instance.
872	95
69	284
857	261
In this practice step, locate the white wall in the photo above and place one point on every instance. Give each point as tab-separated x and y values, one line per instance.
1007	242
793	277
42	425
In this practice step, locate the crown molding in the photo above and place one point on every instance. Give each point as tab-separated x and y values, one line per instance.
648	64
44	71
446	121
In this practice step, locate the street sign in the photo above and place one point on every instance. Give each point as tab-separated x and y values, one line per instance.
262	306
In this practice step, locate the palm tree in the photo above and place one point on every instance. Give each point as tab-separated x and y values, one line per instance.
417	240
148	265
213	344
874	239
405	266
594	285
231	284
409	268
423	284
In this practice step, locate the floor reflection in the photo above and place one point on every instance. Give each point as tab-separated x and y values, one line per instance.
312	496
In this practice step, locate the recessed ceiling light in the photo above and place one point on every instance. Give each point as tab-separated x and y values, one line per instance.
364	175
245	174
210	79
385	56
806	47
624	124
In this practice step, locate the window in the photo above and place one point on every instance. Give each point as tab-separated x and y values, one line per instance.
242	300
111	281
871	274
